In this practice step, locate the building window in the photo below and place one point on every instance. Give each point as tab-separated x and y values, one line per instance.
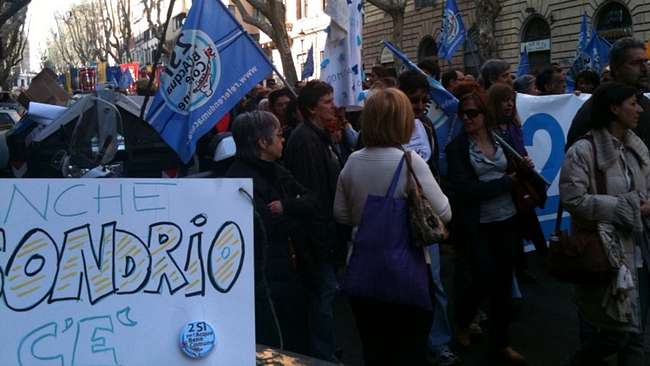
613	21
301	9
419	4
427	48
471	52
536	42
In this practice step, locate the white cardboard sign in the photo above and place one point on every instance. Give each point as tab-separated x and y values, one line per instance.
108	272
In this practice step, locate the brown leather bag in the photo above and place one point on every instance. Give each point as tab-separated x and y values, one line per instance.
426	226
579	256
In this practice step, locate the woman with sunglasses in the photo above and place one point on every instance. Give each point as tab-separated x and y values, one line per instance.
484	218
502	109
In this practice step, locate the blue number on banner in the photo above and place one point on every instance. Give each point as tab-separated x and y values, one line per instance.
550	170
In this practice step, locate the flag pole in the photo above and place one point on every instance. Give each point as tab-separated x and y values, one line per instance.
290	87
161	43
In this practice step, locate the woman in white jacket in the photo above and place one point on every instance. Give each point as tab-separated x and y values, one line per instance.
388	331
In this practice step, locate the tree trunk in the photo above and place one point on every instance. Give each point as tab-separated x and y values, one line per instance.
288	67
5	83
486	13
398	28
281	39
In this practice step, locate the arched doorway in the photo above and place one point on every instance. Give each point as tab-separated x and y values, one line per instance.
472	59
427	48
613	21
536	41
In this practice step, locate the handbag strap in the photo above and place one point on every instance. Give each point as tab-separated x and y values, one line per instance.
409	169
393	182
601	183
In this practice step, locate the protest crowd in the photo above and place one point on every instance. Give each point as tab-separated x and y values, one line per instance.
346	201
360	206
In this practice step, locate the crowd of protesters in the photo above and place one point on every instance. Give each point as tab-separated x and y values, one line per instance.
314	169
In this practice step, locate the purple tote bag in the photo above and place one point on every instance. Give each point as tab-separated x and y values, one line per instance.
384	265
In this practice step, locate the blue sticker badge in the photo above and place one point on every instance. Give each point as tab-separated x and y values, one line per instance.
197	339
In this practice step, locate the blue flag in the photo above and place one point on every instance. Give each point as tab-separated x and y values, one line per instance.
125	79
583	36
453	31
213	65
597	52
444	99
113	75
524	65
308	71
581	57
447	123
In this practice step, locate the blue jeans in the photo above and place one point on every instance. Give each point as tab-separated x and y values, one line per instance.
440	334
322	340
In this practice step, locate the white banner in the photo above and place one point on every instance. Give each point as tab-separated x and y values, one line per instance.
546	121
342	64
109	272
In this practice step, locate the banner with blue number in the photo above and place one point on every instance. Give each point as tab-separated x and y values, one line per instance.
546	121
213	65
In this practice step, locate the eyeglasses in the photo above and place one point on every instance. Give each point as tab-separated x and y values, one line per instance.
470	113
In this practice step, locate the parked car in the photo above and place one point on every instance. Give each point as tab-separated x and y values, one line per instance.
9	116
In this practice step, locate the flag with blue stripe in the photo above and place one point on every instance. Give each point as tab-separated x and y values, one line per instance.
453	31
213	65
443	115
444	99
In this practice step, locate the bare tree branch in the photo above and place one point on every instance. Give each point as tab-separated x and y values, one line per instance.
273	23
14	43
9	8
261	24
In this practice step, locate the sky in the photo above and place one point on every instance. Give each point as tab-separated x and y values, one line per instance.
40	17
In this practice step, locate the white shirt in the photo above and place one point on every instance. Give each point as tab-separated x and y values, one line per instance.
420	141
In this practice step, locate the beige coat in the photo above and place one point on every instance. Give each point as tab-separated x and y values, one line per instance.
618	207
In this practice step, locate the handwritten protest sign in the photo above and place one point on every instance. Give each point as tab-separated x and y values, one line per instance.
109	272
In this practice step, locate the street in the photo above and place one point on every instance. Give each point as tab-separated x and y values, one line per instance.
545	329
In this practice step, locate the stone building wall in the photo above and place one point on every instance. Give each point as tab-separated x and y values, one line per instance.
563	19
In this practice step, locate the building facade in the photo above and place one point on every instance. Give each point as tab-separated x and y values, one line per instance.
547	29
306	23
146	43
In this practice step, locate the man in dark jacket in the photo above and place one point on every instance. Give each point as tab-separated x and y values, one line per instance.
310	157
629	65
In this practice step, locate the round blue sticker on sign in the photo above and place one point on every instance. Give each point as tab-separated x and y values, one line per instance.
197	339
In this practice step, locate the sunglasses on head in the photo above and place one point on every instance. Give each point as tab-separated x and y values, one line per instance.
470	113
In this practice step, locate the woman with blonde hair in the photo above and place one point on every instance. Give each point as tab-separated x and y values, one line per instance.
392	333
